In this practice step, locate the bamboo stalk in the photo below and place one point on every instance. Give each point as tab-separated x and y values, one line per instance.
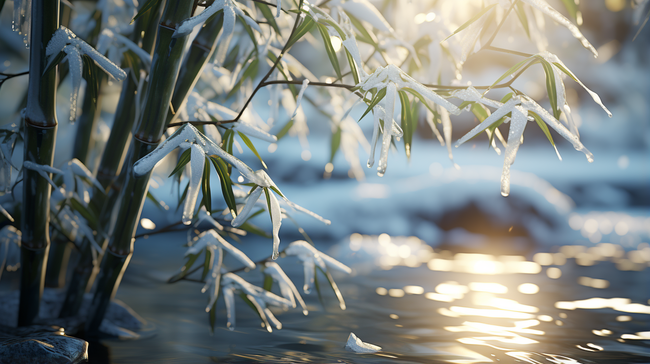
110	165
200	52
150	126
39	137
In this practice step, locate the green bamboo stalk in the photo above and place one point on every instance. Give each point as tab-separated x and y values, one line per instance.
148	131
39	138
200	52
110	164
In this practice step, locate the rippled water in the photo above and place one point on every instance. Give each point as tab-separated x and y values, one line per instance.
568	305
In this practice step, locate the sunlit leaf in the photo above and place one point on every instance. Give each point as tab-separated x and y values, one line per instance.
329	48
336	143
182	162
375	100
472	20
250	146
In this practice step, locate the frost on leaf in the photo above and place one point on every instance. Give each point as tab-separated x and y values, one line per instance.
545	8
64	40
187	136
311	258
515	107
231	10
355	344
287	288
258	296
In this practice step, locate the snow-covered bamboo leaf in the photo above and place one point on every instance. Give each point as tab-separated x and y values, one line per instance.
517	126
572	7
244	214
276	220
547	9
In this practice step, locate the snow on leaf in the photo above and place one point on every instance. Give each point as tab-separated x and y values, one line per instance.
558	66
43	170
355	344
212	238
287	288
197	163
517	126
276	219
311	257
544	7
243	215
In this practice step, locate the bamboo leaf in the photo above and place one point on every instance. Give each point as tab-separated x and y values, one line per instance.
566	71
353	66
212	315
85	212
268	15
54	61
226	183
146	7
479	111
510	71
306	26
182	161
523	19
542	125
275	189
91	76
284	130
334	287
572	8
153	199
472	20
551	87
407	122
253	229
182	196
185	269
375	100
336	143
205	184
207	264
329	48
250	146
268	282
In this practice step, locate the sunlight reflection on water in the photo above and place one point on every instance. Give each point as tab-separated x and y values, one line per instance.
512	306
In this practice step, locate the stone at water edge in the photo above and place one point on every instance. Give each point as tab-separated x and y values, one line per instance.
120	320
40	344
355	344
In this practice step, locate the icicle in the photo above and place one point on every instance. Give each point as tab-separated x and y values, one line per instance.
389	102
517	126
279	8
229	299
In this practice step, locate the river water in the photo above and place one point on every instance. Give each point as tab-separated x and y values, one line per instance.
568	304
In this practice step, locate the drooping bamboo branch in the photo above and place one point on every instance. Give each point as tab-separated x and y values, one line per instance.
40	135
151	123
